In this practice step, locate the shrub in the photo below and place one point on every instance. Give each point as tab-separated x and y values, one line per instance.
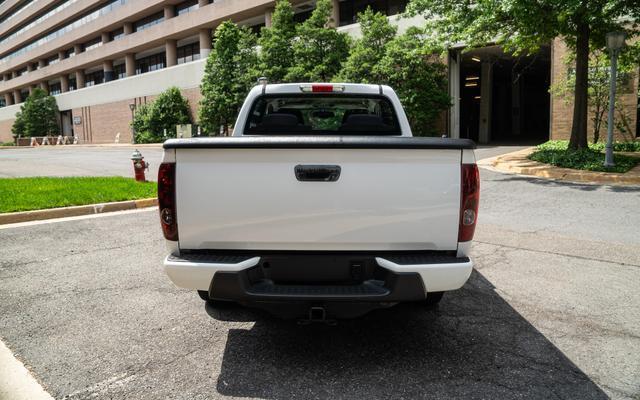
556	153
151	120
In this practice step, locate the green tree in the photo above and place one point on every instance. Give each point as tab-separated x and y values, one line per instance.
151	120
319	49
413	67
367	51
276	43
38	116
169	109
230	71
17	129
141	124
522	26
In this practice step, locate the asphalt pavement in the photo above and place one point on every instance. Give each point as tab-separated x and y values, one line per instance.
551	311
76	161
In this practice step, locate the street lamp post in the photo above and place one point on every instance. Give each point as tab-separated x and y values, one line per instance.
615	41
132	107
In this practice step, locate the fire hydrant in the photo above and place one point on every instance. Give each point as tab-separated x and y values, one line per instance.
139	165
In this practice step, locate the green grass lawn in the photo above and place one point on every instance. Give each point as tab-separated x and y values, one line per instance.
555	152
24	194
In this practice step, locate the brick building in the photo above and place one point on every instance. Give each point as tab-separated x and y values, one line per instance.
100	57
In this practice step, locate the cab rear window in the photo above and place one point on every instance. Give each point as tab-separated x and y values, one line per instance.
318	114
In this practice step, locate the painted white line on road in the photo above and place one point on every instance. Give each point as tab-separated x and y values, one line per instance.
76	218
16	382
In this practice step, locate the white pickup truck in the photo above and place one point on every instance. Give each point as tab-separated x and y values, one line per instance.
321	205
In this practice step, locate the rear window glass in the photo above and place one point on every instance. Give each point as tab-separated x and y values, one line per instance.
322	115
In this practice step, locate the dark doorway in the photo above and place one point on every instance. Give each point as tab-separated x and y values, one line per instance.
504	99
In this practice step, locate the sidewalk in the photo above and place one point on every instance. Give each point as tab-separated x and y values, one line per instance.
518	163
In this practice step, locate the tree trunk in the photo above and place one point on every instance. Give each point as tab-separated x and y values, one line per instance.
580	104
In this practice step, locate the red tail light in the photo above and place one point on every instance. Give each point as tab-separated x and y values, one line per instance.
469	201
167	200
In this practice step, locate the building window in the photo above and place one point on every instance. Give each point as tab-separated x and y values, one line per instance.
186	7
151	63
350	9
24	94
302	16
2	103
94	78
92	44
52	60
257	29
55	88
21	72
70	53
117	34
188	53
72	83
87	18
119	71
148	22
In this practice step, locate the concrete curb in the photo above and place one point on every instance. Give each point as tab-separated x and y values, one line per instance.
518	163
24	216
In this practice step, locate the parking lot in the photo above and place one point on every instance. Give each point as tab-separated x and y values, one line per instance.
551	311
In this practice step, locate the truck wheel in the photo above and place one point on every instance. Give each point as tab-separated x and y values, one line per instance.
433	299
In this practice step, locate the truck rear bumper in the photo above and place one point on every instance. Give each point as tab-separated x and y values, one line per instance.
393	278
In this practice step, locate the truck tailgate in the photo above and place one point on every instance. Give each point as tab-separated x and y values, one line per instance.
384	199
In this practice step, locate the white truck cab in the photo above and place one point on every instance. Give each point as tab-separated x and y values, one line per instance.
321	205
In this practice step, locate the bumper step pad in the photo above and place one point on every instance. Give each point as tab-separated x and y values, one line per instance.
369	289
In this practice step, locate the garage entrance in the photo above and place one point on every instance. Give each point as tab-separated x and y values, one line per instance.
500	98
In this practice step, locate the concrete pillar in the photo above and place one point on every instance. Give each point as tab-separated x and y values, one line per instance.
64	83
79	79
171	52
486	85
77	49
14	74
169	12
205	42
105	37
107	68
17	98
40	64
7	77
515	104
268	14
29	67
130	64
202	3
44	86
454	92
128	28
335	13
61	55
8	99
31	90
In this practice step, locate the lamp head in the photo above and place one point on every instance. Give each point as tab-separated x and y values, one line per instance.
615	40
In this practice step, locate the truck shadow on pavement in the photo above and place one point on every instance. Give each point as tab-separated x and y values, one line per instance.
474	346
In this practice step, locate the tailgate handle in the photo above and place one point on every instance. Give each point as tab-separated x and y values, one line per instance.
317	173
